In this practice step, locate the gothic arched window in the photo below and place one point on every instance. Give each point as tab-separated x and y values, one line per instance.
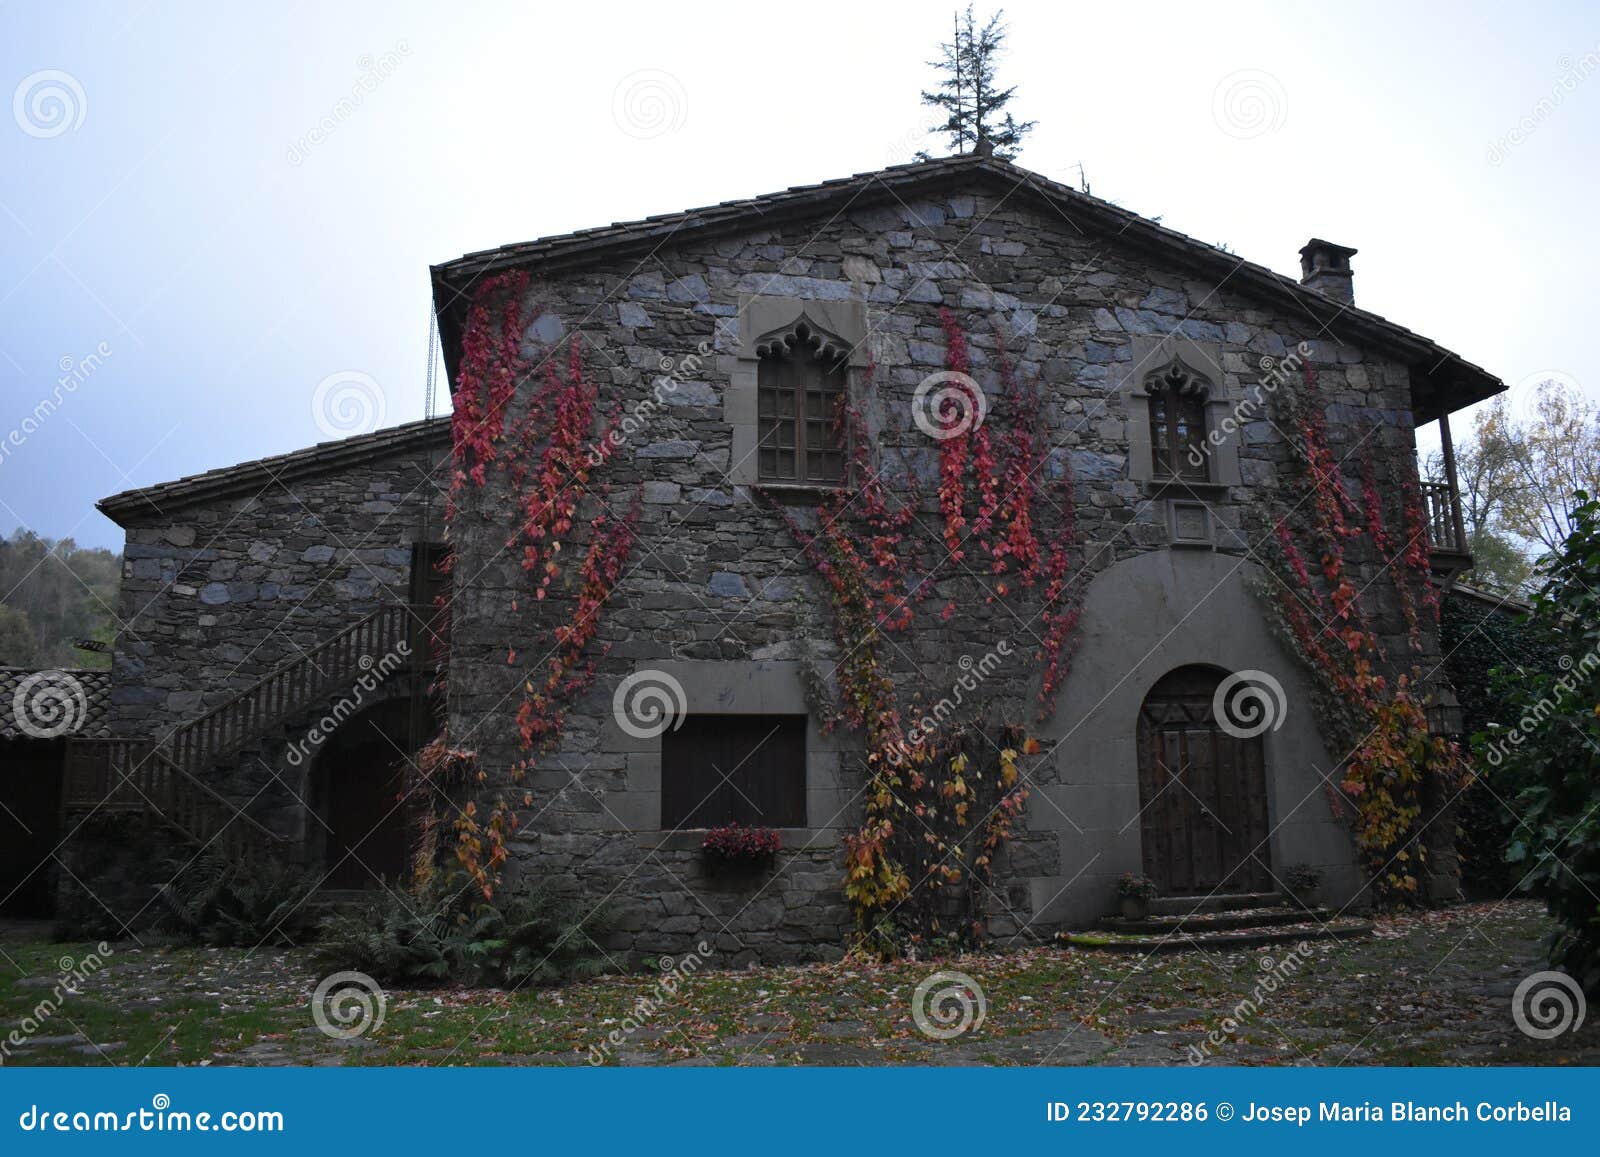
800	382
1178	422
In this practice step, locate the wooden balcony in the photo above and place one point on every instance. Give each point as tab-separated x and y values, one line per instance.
1441	507
1447	536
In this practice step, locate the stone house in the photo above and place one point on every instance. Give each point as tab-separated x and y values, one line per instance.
714	348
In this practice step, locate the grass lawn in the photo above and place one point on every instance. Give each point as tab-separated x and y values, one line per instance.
1431	988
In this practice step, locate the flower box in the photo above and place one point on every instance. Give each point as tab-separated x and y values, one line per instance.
737	846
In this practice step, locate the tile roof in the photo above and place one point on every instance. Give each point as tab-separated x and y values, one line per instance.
1448	380
322	458
50	704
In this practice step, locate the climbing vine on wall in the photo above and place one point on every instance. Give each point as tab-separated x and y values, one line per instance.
525	427
945	785
1371	706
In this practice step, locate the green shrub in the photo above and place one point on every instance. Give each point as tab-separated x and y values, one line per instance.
1552	743
448	932
220	901
1479	637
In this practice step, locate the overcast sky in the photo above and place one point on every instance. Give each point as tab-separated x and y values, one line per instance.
204	216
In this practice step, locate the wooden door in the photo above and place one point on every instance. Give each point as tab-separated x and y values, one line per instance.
1202	793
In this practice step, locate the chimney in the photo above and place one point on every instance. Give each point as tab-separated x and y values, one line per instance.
1325	267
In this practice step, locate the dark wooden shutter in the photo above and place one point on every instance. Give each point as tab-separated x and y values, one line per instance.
748	769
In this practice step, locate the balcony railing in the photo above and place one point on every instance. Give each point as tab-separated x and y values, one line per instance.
1441	506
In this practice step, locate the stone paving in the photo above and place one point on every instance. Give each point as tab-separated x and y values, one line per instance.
1430	988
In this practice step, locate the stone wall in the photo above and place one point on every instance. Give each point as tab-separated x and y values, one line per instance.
716	578
227	579
218	593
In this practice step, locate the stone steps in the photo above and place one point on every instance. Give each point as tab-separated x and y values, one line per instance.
1221	940
1219	923
1221	901
1226	921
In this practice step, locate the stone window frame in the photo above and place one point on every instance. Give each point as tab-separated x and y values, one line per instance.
732	687
1150	355
763	320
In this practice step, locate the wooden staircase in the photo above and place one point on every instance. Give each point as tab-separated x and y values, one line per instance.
165	778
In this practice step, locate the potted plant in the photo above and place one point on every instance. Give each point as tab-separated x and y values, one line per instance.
1135	892
1302	882
735	846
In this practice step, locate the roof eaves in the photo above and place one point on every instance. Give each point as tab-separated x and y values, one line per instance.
165	497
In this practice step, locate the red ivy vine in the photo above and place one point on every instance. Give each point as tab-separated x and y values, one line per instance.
1369	708
543	461
941	799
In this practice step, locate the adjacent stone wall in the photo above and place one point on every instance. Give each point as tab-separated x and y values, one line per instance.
217	594
716	577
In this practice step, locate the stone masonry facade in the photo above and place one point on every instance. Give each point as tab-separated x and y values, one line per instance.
716	591
226	577
232	574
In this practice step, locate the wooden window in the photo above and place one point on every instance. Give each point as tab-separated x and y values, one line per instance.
797	411
1178	424
748	769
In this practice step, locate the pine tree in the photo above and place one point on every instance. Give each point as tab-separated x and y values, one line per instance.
970	98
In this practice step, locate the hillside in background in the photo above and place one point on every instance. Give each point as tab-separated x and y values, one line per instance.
53	594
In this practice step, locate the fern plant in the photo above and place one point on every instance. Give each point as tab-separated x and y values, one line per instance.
215	900
444	932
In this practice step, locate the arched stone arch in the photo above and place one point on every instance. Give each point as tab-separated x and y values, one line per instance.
1142	618
806	337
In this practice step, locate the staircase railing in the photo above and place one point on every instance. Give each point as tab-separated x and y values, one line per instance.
164	777
197	746
134	775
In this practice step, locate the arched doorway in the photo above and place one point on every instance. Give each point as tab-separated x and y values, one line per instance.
357	791
1202	792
